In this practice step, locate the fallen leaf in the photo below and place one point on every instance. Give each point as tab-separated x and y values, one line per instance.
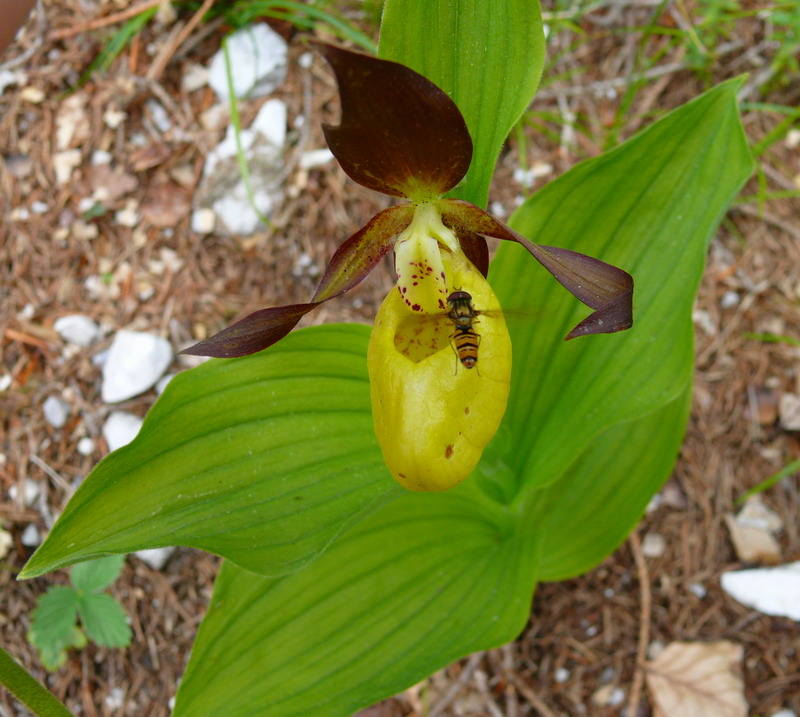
115	181
165	204
150	156
695	679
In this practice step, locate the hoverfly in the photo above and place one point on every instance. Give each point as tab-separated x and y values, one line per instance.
465	339
419	336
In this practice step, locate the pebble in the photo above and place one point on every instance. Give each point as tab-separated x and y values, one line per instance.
195	77
257	59
729	300
100	157
135	362
203	221
115	698
64	162
156	558
789	411
78	329
120	429
222	188
30	491
698	590
6	541
653	545
39	207
31	536
86	446
55	411
159	115
8	78
772	591
5	382
562	675
315	158
784	713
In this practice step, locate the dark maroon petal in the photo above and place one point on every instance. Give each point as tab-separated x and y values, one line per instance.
600	286
475	247
399	133
357	256
253	333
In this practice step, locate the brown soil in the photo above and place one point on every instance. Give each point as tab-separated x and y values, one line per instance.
584	634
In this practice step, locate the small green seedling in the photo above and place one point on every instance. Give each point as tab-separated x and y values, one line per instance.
53	628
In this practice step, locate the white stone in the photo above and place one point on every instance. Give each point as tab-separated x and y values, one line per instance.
729	300
159	115
114	118
315	158
135	362
5	382
100	156
194	78
86	446
698	590
203	221
55	411
39	207
9	78
789	412
562	675
6	541
772	591
115	698
63	164
31	536
793	138
653	545
257	59
222	188
784	713
30	491
156	558
120	429
78	329
34	95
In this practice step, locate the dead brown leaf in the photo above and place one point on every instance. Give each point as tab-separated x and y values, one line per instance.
165	204
150	156
112	182
696	679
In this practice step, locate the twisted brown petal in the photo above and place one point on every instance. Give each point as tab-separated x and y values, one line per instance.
353	260
601	286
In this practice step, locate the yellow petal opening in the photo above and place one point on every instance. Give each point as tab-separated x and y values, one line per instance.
433	414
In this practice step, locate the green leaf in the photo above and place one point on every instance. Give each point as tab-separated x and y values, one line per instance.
487	56
587	513
97	574
27	690
422	582
649	207
53	624
263	460
104	620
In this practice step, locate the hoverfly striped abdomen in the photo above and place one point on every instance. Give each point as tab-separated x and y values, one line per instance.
465	340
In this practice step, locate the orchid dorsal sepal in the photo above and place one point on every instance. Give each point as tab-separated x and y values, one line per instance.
603	287
399	133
